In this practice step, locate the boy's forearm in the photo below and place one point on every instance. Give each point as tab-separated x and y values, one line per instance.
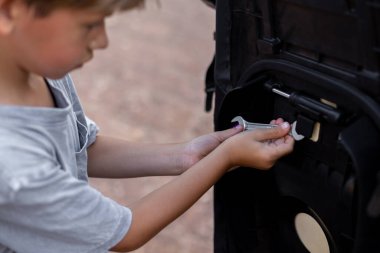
250	148
116	158
158	209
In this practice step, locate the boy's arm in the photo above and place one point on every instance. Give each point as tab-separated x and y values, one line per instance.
116	158
158	209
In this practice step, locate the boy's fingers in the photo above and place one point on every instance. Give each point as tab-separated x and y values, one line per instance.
225	134
281	149
286	147
277	121
273	133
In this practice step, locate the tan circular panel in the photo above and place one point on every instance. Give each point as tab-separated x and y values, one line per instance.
311	234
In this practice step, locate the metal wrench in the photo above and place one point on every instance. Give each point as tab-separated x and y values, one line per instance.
247	126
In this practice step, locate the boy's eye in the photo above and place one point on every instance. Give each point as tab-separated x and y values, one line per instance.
94	25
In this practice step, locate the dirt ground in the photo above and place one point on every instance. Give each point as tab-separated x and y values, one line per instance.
148	87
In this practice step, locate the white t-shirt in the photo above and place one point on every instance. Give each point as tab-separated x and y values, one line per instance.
46	204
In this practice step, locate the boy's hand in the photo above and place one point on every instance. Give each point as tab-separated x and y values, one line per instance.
201	146
259	148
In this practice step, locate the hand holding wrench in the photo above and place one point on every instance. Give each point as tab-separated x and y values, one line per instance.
248	126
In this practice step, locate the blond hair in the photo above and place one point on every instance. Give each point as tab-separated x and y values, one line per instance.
44	7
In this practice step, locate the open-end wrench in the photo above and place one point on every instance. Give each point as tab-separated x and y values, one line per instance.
247	126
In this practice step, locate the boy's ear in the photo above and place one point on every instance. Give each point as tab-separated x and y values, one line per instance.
10	10
5	17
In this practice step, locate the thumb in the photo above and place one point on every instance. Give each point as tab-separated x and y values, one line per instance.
225	134
273	133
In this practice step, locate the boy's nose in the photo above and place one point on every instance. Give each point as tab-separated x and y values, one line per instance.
100	41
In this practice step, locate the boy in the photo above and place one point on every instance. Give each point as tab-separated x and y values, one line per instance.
48	147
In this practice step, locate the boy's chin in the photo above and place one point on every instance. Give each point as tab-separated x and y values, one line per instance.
62	74
79	66
56	76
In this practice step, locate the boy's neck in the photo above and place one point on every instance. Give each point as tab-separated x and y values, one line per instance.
20	88
17	86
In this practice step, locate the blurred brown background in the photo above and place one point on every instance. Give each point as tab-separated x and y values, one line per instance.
148	87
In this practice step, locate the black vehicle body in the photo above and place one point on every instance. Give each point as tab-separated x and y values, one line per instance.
327	53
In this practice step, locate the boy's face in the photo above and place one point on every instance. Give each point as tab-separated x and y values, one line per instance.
54	45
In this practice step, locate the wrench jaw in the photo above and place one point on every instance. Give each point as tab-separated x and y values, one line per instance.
294	133
240	121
